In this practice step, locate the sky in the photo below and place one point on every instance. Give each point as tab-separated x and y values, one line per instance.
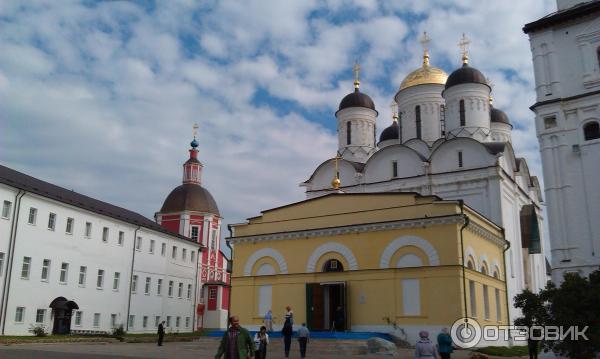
100	97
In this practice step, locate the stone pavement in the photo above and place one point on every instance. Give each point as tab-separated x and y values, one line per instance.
202	349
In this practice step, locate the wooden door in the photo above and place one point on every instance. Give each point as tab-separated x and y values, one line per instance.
315	306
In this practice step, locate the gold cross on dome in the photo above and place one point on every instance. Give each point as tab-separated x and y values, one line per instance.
464	47
394	106
356	71
195	129
425	40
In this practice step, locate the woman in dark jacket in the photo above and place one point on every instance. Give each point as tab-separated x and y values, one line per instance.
444	344
287	332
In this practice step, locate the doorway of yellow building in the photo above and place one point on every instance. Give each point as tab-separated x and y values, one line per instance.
326	306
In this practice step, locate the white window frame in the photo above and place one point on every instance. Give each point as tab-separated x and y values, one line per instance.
26	268
177	321
46	265
131	322
121	238
152	244
147	286
105	234
174	252
168	320
96	322
51	221
113	320
187	322
69	226
189	292
192	256
159	286
64	273
180	290
170	292
1	263
37	315
138	244
145	321
78	317
163	249
100	279
156	321
32	216
82	276
88	230
116	281
195	236
6	209
19	314
134	281
183	254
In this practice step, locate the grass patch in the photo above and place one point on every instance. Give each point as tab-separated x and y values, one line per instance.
129	338
514	351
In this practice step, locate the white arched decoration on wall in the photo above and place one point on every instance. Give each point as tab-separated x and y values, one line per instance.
266	269
404	241
409	260
483	260
496	268
469	252
331	247
265	252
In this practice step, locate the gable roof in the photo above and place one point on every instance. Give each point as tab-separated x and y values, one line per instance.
30	184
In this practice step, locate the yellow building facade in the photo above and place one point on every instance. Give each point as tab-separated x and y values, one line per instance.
388	261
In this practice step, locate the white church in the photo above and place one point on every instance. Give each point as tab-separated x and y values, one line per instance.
446	139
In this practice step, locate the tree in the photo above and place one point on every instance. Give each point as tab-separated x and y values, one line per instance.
575	303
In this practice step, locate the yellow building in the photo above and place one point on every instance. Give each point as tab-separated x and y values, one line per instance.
387	259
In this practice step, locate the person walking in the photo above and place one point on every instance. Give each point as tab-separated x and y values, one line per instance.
444	343
289	314
424	349
161	333
269	320
303	335
287	332
236	342
261	340
338	321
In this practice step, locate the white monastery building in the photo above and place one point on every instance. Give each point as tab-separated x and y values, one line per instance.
566	58
446	139
79	265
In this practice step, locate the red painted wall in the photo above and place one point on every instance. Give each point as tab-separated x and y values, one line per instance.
225	298
171	223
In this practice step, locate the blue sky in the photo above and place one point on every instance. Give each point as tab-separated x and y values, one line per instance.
101	97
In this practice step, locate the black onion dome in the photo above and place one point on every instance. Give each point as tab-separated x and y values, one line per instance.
498	116
357	99
190	197
392	132
465	75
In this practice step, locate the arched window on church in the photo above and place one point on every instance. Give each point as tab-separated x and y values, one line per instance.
461	112
418	120
591	131
443	120
470	264
333	265
348	133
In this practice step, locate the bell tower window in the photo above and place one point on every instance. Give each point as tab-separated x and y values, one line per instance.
348	133
333	265
418	121
461	112
394	169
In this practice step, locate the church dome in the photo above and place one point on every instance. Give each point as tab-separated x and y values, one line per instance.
426	74
498	116
392	132
464	75
357	99
190	197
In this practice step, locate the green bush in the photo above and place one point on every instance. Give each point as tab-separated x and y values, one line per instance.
118	332
39	330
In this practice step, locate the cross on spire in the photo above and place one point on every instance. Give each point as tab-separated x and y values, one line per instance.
394	106
195	130
356	71
491	85
335	183
464	47
425	40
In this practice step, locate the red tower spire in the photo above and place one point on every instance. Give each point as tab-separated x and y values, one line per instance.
192	168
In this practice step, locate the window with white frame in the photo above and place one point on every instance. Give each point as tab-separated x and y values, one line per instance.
88	229
96	322
498	307
6	206
152	243
168	320
265	297
121	238
134	284
156	320
183	254
473	299
187	322
192	256
212	293
180	290
64	272
147	286
40	315
113	320
138	244
411	297
25	268
131	320
163	249
105	234
1	263
100	279
174	252
78	317
177	321
116	281
51	221
82	275
170	288
189	291
69	229
158	286
145	321
45	270
32	215
194	233
486	303
19	314
213	241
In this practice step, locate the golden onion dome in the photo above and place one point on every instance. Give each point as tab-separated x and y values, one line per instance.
426	74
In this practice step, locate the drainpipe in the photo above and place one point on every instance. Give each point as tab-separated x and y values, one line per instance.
194	326
506	286
229	270
10	257
461	203
131	278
